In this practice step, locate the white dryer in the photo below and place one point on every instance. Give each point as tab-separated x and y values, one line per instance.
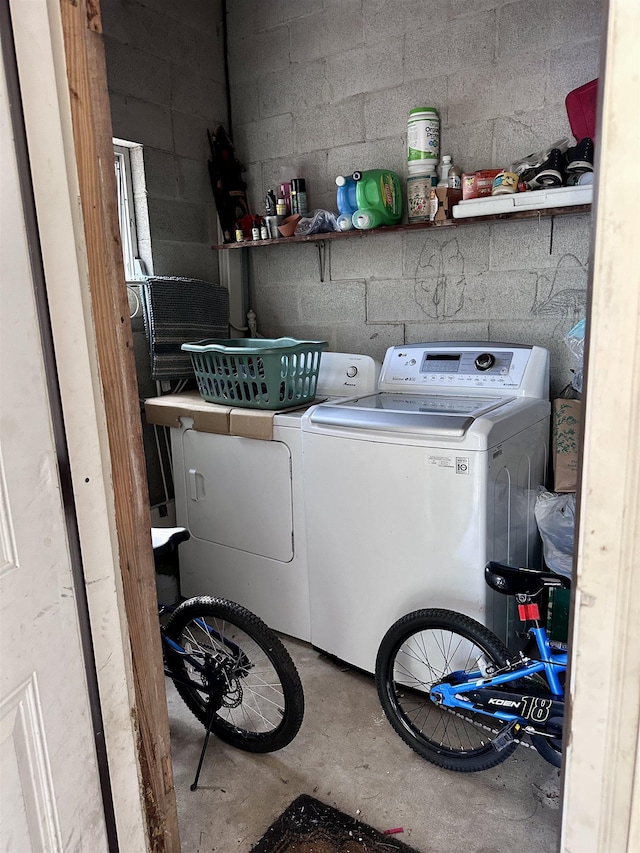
242	501
409	491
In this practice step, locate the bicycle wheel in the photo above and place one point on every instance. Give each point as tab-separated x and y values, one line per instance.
250	688
420	650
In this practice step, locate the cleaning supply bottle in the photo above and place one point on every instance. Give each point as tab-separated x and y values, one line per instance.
379	198
454	179
445	167
346	195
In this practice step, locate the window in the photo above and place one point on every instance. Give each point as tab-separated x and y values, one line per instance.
132	209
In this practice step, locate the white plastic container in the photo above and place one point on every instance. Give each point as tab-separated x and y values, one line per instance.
423	137
419	202
445	168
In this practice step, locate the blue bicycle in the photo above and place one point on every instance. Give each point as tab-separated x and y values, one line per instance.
453	691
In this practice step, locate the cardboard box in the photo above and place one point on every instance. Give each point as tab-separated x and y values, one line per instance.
478	184
211	417
168	410
566	426
445	198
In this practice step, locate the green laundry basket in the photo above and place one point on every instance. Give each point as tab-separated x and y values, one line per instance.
256	373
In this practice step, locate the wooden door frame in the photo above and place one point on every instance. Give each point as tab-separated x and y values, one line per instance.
601	801
61	67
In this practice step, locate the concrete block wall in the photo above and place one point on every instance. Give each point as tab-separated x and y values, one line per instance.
165	72
322	88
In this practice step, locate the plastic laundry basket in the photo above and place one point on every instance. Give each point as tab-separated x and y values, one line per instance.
256	373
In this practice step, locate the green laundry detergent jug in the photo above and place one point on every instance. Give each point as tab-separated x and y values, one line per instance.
379	198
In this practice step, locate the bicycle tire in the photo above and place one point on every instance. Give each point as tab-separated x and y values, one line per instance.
258	692
418	651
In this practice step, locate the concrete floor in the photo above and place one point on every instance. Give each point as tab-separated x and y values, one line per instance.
346	754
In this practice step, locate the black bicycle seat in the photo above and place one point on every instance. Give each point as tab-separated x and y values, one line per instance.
512	580
165	539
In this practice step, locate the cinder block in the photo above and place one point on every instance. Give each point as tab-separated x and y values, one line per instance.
200	96
336	28
277	304
190	135
341	302
193	260
253	54
454	251
470	145
571	67
571	240
365	69
142	122
160	174
387	112
384	20
264	139
524	245
535	26
451	330
369	339
560	291
329	127
178	221
445	47
201	15
137	74
529	132
194	183
285	265
245	102
496	90
467	8
527	27
370	257
395	301
303	85
498	294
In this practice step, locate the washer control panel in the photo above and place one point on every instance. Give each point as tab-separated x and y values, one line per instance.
454	365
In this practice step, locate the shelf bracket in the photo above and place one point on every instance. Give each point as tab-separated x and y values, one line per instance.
322	253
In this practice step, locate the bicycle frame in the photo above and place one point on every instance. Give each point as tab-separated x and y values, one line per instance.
203	669
552	663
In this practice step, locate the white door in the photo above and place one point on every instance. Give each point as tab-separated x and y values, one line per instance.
49	788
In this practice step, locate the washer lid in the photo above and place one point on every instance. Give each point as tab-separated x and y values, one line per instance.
414	413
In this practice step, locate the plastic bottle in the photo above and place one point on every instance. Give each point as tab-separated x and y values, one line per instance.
379	198
423	137
445	168
345	221
346	195
419	200
454	180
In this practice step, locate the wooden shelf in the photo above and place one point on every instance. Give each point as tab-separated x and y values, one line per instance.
544	213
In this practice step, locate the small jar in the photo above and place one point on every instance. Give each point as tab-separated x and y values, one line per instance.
281	207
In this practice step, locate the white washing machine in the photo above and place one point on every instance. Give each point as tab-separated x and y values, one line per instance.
242	501
409	491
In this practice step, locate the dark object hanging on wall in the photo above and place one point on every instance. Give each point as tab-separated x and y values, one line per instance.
229	189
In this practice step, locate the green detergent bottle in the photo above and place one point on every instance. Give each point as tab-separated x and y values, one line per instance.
379	198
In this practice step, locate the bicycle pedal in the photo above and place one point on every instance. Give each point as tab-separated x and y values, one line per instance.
507	736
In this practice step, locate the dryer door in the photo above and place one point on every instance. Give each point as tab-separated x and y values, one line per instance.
239	493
